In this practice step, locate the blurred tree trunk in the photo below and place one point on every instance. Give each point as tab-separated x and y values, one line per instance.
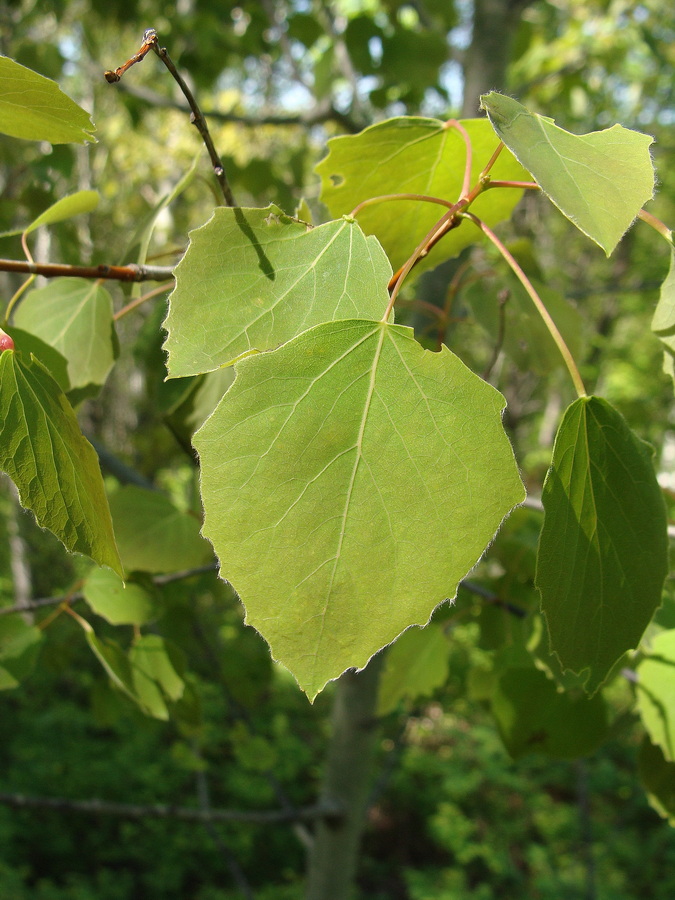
334	855
494	25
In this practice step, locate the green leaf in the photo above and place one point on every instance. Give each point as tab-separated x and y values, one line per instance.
152	535
65	208
75	316
600	181
603	551
656	692
117	602
254	278
55	362
155	666
54	467
658	779
19	646
415	156
197	403
350	480
35	108
415	666
535	717
114	660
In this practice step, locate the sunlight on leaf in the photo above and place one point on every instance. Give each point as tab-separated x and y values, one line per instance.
350	479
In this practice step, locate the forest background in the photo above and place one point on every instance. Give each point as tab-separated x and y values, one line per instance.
450	812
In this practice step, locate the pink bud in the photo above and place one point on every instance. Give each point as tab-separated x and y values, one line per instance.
6	343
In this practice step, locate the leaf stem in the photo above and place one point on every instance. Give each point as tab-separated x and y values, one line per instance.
139	300
536	299
656	224
454	123
382	198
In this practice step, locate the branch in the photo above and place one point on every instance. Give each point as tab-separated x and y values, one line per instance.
324	810
151	42
131	272
321	112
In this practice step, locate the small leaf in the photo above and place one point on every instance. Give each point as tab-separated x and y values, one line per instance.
535	717
415	156
117	602
55	469
66	208
28	345
35	108
254	278
19	646
350	479
152	535
414	667
599	181
155	667
75	317
603	551
656	692
663	322
114	660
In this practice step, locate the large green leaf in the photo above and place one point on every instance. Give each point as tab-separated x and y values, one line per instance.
656	692
415	156
534	716
350	480
254	278
600	181
415	666
153	535
54	467
75	316
603	551
35	108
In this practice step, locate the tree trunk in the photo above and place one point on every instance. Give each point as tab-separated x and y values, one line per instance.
494	25
333	858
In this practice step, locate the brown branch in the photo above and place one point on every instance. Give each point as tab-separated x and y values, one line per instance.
151	42
323	810
131	272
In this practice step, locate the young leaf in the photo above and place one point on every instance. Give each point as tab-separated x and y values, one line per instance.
152	535
155	667
535	717
600	181
350	480
656	692
415	156
117	602
415	665
54	467
65	208
35	108
603	550
254	278
75	317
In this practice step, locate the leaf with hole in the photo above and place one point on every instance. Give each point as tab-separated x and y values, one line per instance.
415	156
